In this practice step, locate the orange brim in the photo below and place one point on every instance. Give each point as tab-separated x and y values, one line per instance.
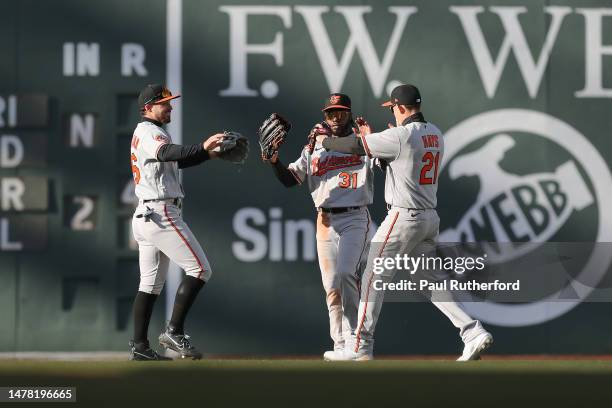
335	107
388	103
167	99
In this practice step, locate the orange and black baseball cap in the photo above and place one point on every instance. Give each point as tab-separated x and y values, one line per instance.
337	101
154	93
408	95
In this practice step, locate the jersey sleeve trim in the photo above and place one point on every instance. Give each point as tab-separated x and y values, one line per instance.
158	147
295	175
365	145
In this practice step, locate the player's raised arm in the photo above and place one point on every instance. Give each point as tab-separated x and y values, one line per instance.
272	134
190	155
229	146
284	174
288	176
350	144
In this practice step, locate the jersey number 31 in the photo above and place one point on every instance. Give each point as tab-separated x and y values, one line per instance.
430	161
348	180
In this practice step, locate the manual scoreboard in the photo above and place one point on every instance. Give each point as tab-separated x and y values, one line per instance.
68	106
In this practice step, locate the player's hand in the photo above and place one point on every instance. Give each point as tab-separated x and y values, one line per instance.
273	159
213	141
321	138
321	129
390	125
275	146
363	126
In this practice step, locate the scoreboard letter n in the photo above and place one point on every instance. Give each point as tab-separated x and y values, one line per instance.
81	59
81	130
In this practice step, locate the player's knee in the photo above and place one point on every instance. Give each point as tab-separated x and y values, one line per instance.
157	288
333	298
150	288
202	274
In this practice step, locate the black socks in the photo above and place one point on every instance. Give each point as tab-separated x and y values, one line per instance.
143	308
185	295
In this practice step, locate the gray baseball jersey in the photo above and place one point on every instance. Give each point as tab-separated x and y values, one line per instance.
339	180
414	154
154	179
335	179
158	226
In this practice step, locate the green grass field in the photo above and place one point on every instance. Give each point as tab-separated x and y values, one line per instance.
313	383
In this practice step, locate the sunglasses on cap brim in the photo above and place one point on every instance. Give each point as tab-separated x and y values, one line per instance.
164	96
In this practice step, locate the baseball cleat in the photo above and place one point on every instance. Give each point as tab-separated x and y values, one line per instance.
474	348
362	357
331	355
142	352
347	355
179	343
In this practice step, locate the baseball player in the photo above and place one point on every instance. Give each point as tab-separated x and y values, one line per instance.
413	152
158	227
341	186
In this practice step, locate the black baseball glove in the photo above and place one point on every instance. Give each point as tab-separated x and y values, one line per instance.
272	134
235	147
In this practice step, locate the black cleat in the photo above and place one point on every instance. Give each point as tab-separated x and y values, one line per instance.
142	352
179	343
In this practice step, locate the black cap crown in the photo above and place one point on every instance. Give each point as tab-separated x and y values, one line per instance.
337	101
154	93
404	95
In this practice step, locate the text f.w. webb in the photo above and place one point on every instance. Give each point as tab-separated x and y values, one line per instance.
450	285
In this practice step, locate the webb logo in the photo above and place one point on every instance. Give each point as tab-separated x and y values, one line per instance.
523	209
529	178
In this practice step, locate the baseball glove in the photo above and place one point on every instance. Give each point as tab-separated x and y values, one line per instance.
272	134
235	147
318	129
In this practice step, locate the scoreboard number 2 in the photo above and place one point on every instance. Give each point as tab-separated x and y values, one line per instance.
80	212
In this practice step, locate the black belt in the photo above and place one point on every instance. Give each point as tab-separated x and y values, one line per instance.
174	201
337	210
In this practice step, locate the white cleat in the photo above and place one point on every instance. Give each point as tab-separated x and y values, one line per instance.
474	348
332	355
346	355
363	357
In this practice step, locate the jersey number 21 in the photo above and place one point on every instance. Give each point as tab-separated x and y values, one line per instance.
430	161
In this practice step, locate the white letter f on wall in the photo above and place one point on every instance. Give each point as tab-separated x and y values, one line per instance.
240	48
